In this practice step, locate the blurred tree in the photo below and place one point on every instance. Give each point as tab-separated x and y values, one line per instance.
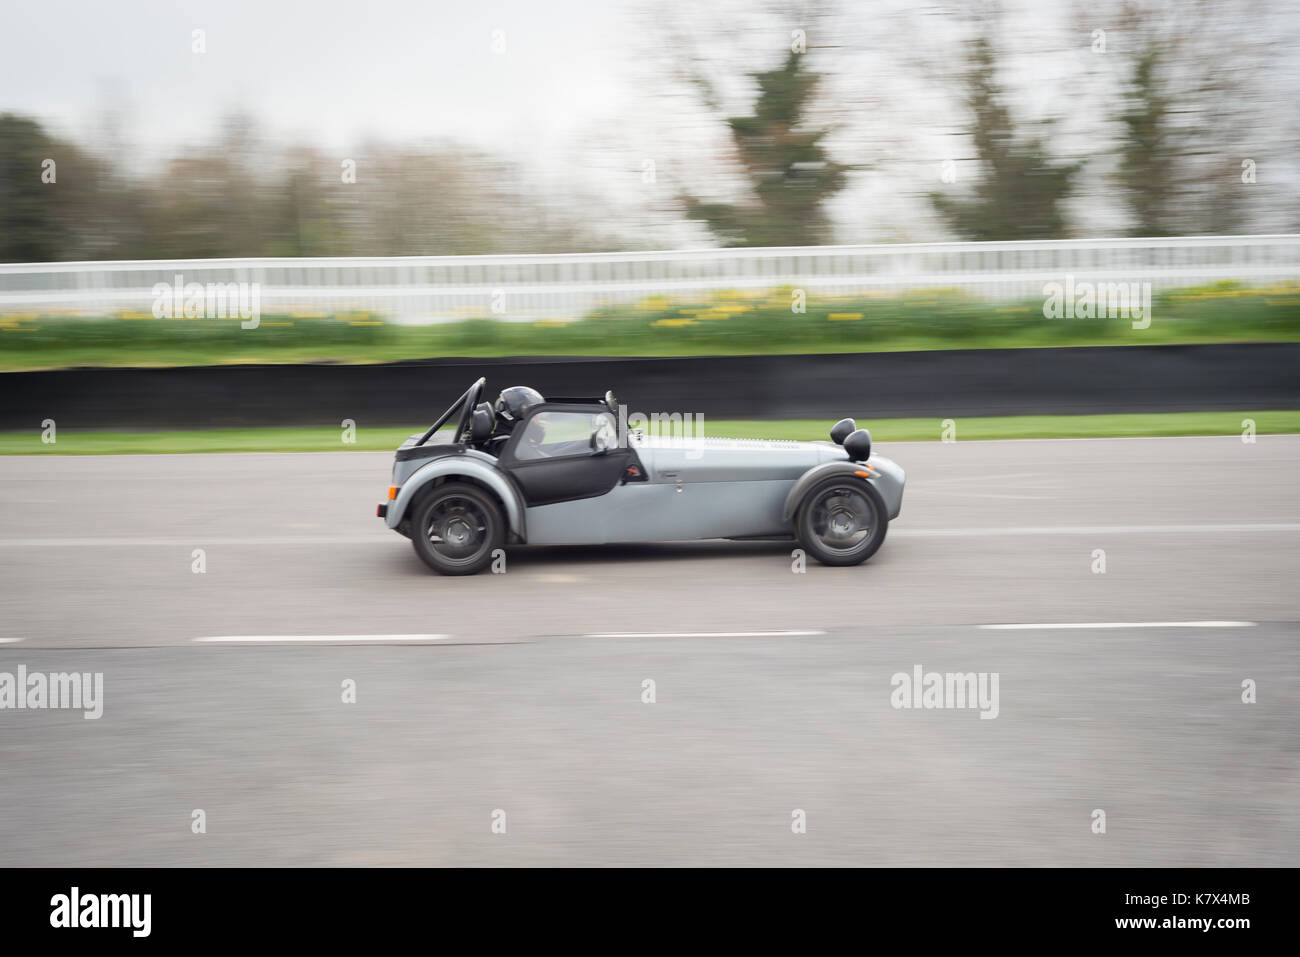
454	201
27	220
242	198
789	174
205	207
1194	75
300	219
42	220
1020	190
1146	150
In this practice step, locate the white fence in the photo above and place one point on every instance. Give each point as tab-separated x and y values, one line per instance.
442	288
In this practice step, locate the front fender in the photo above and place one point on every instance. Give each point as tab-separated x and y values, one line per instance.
888	480
476	467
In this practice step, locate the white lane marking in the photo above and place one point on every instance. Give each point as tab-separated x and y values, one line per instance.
704	634
9	641
1056	625
1002	495
284	639
982	477
126	541
1007	530
1091	438
996	531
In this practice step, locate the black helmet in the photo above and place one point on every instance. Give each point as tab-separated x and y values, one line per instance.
513	403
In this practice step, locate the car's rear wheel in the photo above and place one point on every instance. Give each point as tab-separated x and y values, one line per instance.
841	521
456	527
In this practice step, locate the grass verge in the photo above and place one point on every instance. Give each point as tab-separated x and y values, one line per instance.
726	324
329	439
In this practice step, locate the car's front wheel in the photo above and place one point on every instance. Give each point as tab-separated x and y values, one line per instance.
456	527
841	521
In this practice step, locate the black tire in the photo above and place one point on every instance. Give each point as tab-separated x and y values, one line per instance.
456	527
841	521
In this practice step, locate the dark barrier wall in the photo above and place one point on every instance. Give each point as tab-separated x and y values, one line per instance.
876	385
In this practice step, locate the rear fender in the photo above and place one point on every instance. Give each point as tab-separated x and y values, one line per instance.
474	467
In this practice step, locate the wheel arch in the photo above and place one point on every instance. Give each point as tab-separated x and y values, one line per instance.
815	475
462	468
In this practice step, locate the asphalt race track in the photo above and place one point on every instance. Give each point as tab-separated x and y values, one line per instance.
772	688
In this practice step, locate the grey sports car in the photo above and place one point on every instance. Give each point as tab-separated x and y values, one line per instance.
563	471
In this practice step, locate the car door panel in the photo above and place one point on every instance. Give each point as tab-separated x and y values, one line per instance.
571	470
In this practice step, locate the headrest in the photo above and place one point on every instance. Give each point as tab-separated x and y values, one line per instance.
482	422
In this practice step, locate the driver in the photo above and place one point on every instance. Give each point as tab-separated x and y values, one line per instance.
511	406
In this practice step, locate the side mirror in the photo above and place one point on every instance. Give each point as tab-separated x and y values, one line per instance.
858	445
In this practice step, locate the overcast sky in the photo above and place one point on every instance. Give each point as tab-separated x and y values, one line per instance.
573	73
329	71
537	82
